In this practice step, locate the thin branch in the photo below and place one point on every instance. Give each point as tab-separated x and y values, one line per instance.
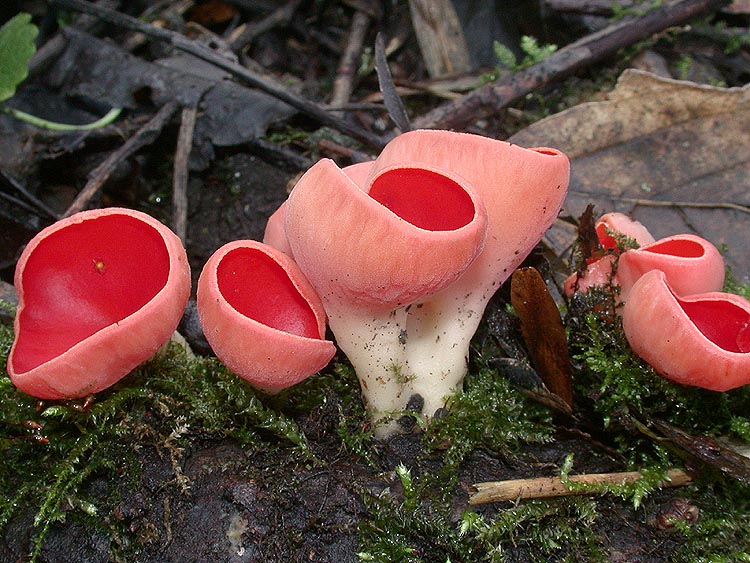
143	137
245	35
684	204
546	487
181	173
562	63
184	44
347	68
35	204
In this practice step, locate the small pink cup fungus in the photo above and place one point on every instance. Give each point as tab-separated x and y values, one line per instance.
614	223
690	263
599	272
701	340
261	316
406	263
99	292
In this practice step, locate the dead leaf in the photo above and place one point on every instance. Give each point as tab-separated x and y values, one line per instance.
542	331
230	114
674	155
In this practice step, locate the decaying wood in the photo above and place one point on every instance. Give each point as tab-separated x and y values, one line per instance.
181	173
440	37
143	137
347	68
182	43
584	52
546	487
706	449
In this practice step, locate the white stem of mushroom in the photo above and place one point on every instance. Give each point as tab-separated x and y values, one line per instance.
421	349
375	346
437	347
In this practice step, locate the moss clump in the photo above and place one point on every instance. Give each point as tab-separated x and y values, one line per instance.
620	387
488	415
53	452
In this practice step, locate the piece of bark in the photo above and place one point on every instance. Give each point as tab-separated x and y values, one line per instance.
440	37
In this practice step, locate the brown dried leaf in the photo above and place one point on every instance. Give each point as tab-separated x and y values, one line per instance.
543	332
675	155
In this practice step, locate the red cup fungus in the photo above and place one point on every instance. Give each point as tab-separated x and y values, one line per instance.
98	293
406	256
690	263
600	270
261	316
701	340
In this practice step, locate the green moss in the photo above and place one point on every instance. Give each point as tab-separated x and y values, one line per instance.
559	529
490	415
169	401
633	492
720	534
618	385
158	404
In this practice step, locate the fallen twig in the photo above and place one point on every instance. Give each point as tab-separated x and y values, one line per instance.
245	35
546	487
685	204
180	176
35	205
342	85
184	44
144	136
564	62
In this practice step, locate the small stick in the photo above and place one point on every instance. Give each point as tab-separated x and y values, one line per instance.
181	173
546	487
143	137
342	85
352	154
35	201
686	204
244	35
588	7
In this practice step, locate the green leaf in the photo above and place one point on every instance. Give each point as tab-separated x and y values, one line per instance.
16	49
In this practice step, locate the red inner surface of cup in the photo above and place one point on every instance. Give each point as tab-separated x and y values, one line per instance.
259	288
83	278
424	198
724	323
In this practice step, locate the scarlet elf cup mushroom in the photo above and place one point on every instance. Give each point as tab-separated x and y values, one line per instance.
98	293
406	260
701	340
261	316
691	263
673	314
